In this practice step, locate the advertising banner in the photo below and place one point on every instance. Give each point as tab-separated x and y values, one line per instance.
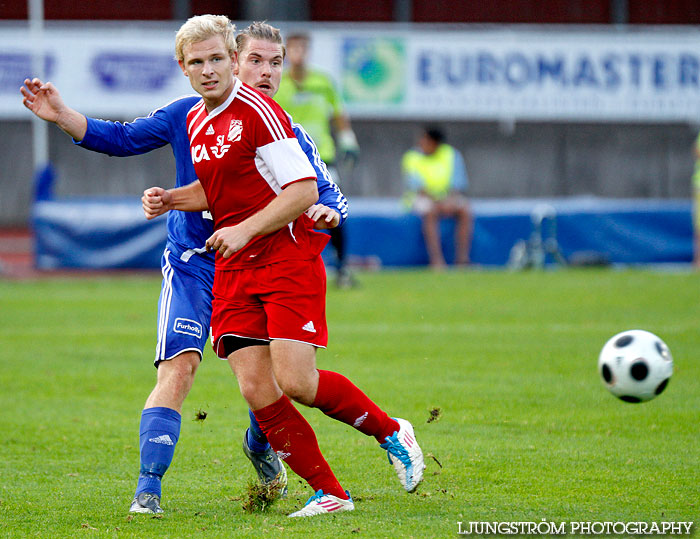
106	73
462	74
524	75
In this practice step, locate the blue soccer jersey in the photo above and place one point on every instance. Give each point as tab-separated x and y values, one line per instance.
184	308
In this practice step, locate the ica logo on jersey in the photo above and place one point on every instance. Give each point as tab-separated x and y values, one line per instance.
199	153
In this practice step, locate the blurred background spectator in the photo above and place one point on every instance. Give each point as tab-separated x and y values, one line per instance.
437	182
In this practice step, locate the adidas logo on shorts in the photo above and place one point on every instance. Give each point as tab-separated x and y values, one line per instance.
309	326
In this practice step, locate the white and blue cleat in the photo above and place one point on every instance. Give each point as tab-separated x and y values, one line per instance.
321	503
405	455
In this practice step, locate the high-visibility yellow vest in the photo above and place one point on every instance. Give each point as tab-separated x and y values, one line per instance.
434	173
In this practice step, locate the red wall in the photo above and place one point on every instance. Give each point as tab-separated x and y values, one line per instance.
356	11
664	12
513	11
146	10
464	11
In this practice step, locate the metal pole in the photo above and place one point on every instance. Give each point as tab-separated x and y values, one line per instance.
619	11
182	10
40	128
403	11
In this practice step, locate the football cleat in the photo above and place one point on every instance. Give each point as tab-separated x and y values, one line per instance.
321	503
268	466
146	502
406	456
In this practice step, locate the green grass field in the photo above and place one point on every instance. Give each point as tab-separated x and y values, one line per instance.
526	431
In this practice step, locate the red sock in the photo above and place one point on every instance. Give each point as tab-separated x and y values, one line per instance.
291	436
339	398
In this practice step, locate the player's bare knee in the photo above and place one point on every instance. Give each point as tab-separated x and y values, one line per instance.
182	367
300	391
251	389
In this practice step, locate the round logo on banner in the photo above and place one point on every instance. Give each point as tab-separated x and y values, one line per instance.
373	70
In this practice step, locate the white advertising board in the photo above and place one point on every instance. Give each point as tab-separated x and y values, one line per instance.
462	74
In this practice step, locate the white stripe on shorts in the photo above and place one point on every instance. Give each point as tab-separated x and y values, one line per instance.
166	298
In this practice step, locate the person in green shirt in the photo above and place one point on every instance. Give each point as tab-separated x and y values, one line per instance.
437	181
311	99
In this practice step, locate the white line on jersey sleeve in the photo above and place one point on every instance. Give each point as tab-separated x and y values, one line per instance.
265	112
285	161
265	108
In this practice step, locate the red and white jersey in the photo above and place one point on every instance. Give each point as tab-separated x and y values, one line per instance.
244	153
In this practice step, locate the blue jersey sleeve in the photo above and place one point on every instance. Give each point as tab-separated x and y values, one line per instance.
125	139
329	193
166	125
140	136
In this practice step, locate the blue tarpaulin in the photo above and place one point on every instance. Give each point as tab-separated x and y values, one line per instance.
104	233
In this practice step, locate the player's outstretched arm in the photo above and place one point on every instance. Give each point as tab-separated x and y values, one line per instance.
323	216
44	100
157	201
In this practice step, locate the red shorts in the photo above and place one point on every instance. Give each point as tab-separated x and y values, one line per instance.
285	300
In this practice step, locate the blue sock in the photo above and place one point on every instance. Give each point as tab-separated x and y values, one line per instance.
159	432
257	441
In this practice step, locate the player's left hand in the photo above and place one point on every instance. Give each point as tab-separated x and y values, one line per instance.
323	217
228	240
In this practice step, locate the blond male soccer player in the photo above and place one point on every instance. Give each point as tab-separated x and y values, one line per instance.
269	289
184	306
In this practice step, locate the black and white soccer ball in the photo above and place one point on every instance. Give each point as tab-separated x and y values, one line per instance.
635	365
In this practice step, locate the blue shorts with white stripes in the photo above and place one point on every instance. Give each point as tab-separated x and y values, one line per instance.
184	308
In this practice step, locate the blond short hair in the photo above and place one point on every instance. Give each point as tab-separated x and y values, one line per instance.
201	28
262	31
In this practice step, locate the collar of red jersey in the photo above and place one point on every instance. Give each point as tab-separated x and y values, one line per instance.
236	86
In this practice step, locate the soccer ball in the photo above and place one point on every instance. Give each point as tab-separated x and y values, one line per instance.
635	365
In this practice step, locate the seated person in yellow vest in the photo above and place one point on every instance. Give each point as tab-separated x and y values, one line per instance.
437	181
696	205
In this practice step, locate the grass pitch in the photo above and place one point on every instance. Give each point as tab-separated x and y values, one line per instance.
496	370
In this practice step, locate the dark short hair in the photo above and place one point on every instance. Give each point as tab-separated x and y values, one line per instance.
435	134
262	31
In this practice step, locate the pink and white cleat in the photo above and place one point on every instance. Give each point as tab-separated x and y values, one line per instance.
321	503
